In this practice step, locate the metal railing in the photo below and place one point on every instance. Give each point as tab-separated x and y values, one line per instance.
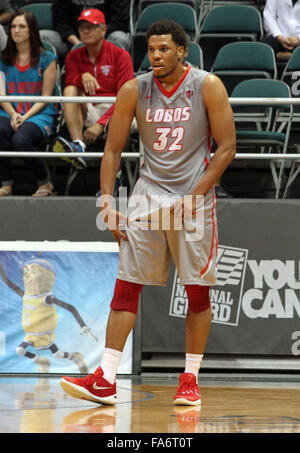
278	157
111	99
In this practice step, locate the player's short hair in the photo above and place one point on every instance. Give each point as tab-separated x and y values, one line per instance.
168	27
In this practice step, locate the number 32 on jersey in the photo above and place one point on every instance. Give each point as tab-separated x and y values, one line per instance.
163	143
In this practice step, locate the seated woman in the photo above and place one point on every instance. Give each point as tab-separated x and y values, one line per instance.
28	70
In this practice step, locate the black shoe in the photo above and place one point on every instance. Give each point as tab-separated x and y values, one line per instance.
221	193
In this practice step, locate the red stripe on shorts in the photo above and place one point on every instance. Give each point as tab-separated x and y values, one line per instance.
213	239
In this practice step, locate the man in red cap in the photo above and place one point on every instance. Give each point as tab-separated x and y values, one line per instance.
99	68
65	14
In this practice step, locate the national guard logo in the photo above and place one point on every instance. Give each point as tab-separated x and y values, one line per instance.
226	295
105	69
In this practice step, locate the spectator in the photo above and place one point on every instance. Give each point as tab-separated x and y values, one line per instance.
282	26
19	4
99	68
29	70
6	11
65	14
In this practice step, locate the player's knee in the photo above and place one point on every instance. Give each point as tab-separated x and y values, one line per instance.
20	351
198	297
126	296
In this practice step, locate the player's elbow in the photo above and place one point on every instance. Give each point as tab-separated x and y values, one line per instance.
229	150
232	150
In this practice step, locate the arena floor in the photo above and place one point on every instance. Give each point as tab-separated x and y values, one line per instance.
230	404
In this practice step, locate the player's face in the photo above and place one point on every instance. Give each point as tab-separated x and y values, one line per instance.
20	30
164	55
91	33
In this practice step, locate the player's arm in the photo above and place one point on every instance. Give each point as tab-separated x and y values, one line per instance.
118	132
222	127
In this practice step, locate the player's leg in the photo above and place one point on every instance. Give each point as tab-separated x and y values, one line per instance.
120	324
198	322
198	319
100	387
122	317
195	260
144	259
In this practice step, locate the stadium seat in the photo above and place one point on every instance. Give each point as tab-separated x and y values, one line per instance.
239	61
227	24
48	46
263	127
205	6
43	14
145	3
183	14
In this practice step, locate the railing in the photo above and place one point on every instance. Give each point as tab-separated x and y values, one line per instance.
278	157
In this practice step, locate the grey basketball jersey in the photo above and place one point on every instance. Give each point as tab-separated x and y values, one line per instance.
174	129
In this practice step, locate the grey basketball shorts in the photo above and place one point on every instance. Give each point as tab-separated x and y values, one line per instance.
155	237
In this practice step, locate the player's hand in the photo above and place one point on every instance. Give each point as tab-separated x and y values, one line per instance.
89	333
90	83
185	207
91	134
116	222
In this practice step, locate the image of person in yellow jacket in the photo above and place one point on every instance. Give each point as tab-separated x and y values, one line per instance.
39	317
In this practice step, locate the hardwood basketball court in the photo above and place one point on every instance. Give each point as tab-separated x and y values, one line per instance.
232	403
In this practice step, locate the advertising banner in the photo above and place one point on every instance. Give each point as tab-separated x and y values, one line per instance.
54	304
256	301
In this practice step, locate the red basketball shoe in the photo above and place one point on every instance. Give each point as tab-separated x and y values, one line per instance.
188	392
92	388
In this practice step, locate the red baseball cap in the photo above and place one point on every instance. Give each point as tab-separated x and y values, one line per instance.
92	15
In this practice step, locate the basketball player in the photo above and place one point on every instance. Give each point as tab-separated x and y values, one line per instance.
178	109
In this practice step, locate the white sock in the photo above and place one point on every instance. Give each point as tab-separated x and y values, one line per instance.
81	143
110	364
192	363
